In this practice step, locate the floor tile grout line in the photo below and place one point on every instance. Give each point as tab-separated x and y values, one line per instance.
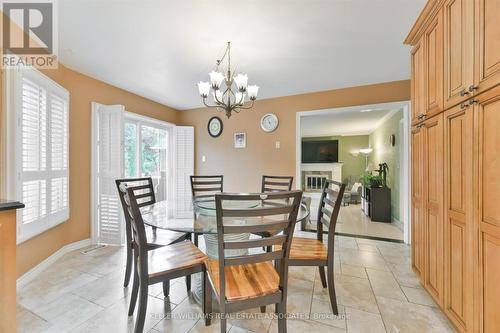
376	302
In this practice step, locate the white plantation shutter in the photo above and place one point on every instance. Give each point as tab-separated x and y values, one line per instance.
183	168
108	164
42	110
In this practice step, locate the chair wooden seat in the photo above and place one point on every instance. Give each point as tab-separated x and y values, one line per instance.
175	257
245	281
164	237
307	249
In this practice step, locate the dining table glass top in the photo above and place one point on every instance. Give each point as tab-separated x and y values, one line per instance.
200	216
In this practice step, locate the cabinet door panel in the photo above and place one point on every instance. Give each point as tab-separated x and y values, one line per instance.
460	243
487	118
417	82
458	50
433	46
417	214
488	48
434	166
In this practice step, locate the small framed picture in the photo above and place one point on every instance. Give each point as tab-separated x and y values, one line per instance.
240	140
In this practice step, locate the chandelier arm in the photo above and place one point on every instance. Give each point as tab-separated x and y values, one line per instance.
246	107
217	100
207	105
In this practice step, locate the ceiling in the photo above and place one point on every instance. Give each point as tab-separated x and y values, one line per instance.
160	49
347	122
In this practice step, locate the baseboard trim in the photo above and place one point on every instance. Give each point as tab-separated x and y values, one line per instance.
35	271
398	223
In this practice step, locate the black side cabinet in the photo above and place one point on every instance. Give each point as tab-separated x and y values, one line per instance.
376	203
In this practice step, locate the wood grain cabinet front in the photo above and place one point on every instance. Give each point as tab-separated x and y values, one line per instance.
487	182
417	83
417	198
460	235
433	194
458	19
487	38
433	66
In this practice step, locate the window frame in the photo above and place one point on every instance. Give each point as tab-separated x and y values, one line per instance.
50	220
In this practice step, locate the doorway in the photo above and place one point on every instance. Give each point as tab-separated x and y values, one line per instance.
362	149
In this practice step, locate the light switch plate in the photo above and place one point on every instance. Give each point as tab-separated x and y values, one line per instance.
203	158
278	145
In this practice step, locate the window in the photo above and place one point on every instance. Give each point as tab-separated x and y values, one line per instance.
41	149
146	152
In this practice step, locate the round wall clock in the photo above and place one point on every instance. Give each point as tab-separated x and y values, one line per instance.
215	127
269	122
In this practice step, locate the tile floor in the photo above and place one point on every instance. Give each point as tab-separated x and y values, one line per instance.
353	221
376	290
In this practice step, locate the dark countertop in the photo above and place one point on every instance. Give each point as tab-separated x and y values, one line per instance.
10	204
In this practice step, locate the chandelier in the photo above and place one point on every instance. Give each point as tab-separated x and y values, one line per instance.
224	98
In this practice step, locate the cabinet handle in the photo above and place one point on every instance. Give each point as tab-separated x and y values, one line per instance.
464	105
473	101
473	88
464	92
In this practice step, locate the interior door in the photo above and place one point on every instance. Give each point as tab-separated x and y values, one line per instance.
433	62
487	161
460	235
487	44
458	51
433	189
417	206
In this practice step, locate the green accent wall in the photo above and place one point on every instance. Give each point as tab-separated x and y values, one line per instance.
379	140
349	146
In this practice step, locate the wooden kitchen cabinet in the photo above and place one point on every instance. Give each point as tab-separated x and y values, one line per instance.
487	182
487	35
458	18
460	232
417	83
433	207
417	198
455	215
433	67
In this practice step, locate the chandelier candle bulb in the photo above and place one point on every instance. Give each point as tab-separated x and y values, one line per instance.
241	81
204	88
216	79
252	92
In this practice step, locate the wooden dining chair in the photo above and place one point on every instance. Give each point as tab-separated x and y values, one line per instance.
313	252
158	265
145	194
250	280
274	184
205	187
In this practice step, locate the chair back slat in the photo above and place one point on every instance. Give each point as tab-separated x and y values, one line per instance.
255	243
253	259
272	216
276	183
253	228
200	185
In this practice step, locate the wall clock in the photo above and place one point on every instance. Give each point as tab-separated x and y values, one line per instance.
269	122
215	127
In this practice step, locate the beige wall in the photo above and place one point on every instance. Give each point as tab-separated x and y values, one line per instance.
243	168
83	90
383	152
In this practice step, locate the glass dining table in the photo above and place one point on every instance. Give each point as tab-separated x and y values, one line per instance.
199	216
